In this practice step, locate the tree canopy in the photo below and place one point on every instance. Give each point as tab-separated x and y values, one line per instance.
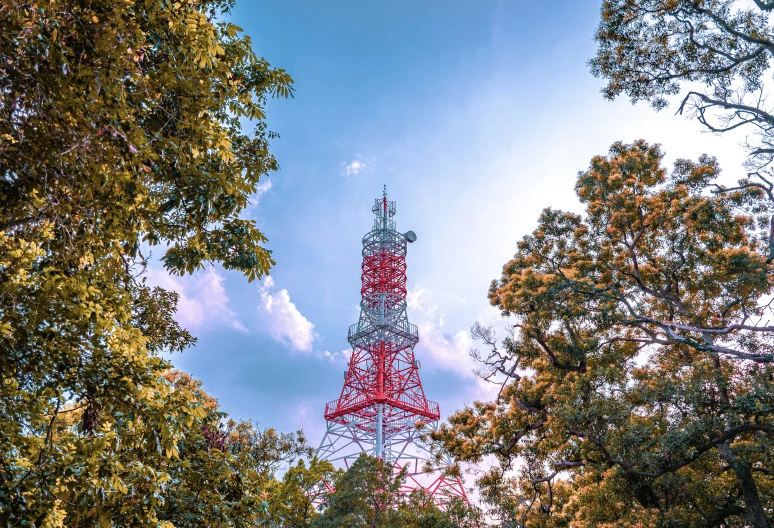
365	496
121	127
294	502
371	495
721	50
639	377
225	471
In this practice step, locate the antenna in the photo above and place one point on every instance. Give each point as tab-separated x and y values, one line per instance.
383	398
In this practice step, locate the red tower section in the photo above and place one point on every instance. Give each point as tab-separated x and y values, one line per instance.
382	400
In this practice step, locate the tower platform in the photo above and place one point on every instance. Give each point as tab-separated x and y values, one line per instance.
382	410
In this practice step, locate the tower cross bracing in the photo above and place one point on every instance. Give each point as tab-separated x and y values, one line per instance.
382	403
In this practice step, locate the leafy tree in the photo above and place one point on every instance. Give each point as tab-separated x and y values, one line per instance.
370	494
225	472
366	495
120	124
419	510
720	49
638	381
293	501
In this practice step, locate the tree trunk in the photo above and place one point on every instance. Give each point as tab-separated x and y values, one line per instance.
752	500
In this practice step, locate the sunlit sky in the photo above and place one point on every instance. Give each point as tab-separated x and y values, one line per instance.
475	114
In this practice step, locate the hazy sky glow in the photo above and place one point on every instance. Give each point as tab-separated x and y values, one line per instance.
477	115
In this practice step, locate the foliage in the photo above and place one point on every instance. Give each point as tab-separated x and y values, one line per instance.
224	475
120	124
639	377
419	510
721	49
223	472
369	494
293	501
365	496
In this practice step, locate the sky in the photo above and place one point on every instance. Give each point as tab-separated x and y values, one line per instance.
476	115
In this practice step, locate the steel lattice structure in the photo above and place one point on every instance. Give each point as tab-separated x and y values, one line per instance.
382	401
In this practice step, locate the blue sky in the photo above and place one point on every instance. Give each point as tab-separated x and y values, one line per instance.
475	114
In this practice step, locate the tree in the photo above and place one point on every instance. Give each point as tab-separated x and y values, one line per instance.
649	49
370	494
120	126
366	496
293	501
225	473
222	475
419	510
638	380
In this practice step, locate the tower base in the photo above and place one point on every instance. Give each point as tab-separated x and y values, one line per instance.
343	443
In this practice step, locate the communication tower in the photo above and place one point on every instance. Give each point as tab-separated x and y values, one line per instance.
382	403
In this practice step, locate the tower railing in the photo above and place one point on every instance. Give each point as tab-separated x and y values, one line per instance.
404	329
382	406
334	409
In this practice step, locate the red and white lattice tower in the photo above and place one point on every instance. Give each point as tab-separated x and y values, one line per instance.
382	402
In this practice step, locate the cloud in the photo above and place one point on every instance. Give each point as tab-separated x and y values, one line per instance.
261	189
442	349
202	303
335	357
414	298
445	351
353	167
283	321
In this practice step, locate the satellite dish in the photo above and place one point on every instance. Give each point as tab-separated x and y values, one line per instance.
417	364
410	236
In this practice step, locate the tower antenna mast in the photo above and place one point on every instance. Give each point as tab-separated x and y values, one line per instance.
383	401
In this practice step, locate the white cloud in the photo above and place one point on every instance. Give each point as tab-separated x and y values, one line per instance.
261	189
354	167
283	321
442	349
414	298
335	357
445	351
266	284
202	301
